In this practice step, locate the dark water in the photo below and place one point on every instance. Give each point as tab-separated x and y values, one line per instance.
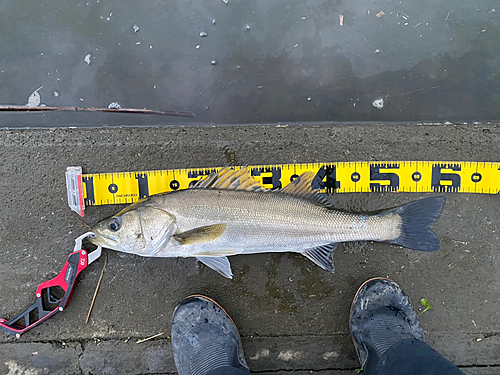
260	61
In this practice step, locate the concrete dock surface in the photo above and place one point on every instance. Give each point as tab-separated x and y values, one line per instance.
292	315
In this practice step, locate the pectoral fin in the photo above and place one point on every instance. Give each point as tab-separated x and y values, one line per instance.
219	264
322	256
200	234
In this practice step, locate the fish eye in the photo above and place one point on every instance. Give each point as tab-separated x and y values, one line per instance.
114	224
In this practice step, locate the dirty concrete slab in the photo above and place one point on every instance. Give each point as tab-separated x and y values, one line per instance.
270	354
278	301
274	61
303	355
40	358
262	354
120	357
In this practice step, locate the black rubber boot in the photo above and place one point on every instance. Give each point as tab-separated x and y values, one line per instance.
381	316
205	339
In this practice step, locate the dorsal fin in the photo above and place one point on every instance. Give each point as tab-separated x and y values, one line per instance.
241	179
231	179
301	187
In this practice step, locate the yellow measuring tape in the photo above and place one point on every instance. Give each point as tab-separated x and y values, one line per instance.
338	177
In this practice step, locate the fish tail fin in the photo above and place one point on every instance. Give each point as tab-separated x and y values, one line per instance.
417	218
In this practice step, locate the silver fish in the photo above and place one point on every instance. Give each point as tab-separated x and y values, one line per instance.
228	213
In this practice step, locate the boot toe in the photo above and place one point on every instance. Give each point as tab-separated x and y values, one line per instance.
381	315
204	337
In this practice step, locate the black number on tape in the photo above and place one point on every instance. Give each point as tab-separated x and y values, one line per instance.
142	180
274	179
438	176
326	178
375	175
89	187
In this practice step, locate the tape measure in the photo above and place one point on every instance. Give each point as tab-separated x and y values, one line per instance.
338	177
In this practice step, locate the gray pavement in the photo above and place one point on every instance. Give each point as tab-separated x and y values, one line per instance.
292	315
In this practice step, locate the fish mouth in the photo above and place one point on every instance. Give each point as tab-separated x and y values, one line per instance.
107	242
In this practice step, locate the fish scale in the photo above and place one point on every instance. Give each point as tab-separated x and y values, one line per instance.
228	213
259	221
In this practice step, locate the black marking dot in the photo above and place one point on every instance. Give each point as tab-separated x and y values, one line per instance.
416	176
174	185
113	188
476	177
355	177
294	177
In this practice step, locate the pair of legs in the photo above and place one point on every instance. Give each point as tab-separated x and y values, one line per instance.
384	327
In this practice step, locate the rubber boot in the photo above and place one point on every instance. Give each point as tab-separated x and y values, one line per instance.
388	336
205	341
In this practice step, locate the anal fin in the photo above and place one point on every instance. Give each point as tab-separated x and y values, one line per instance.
322	256
219	264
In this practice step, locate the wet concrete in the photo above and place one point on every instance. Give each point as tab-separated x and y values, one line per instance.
278	61
292	315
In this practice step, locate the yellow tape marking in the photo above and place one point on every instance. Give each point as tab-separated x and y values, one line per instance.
395	176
